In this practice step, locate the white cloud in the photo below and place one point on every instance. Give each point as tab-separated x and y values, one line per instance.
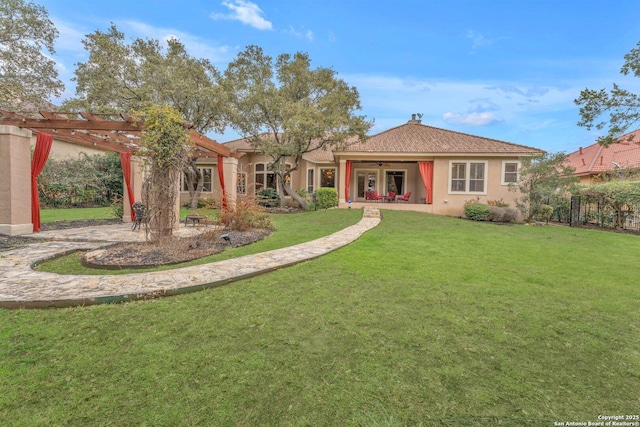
306	34
473	119
245	12
478	39
196	46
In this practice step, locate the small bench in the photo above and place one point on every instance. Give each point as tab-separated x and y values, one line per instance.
194	219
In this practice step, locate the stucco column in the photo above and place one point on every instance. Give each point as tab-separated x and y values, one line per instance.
342	181
136	185
15	181
231	181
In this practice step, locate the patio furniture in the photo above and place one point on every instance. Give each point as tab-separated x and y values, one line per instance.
372	196
139	215
404	198
390	197
194	219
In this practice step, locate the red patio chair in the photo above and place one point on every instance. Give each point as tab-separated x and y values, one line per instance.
404	198
372	196
390	197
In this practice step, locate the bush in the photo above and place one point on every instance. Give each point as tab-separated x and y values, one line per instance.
117	207
477	211
268	197
544	213
326	198
248	215
502	214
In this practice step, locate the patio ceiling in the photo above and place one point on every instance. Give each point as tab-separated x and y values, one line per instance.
109	132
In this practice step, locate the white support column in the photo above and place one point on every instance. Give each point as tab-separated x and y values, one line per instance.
342	181
15	181
230	165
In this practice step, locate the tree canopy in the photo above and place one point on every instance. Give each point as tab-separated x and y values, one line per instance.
286	109
121	76
28	77
618	109
541	180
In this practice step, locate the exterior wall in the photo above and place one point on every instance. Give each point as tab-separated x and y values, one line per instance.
447	203
15	181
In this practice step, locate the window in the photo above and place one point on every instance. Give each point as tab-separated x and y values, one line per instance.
241	187
207	185
328	177
310	180
510	172
264	178
395	181
468	177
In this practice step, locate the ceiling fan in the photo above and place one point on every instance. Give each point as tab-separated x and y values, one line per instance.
380	164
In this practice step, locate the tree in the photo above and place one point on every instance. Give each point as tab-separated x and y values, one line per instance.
543	180
123	77
621	105
28	77
167	145
286	109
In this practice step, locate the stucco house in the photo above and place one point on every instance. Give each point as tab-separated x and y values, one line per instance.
592	162
441	169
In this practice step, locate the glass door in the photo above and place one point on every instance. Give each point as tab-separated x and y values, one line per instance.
366	181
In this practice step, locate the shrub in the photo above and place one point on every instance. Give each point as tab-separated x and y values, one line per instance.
544	213
117	207
326	198
248	214
502	214
498	203
477	211
268	197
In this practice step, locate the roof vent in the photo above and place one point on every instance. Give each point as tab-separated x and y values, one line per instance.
416	118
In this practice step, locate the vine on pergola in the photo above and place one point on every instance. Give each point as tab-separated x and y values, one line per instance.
166	147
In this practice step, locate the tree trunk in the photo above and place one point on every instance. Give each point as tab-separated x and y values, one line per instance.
294	195
196	182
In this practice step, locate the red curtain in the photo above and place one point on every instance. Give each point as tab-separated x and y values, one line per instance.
221	177
40	156
347	180
426	172
125	161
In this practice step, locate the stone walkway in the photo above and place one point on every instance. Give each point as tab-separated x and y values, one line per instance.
22	287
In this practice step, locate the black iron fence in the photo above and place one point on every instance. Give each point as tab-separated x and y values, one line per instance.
582	212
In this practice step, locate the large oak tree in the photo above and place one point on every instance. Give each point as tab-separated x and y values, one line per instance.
287	109
28	77
617	110
121	76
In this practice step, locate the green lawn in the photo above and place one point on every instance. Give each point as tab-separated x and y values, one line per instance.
424	320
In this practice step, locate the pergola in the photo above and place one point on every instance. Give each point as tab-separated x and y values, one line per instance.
108	132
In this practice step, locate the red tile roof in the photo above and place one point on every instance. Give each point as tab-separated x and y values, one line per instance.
596	159
414	137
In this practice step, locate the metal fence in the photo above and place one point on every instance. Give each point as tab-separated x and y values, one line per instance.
581	212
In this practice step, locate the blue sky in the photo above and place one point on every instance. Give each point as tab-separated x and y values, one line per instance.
508	70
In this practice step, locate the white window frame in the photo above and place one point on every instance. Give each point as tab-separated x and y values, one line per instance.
386	184
467	177
311	186
504	171
241	187
201	169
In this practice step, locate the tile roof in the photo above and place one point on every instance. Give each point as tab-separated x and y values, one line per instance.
414	137
318	156
596	159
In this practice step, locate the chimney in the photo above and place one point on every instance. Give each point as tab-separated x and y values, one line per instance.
580	150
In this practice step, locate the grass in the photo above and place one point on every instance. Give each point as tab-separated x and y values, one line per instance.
51	215
289	230
423	321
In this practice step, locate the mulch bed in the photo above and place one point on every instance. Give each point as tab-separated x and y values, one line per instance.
171	250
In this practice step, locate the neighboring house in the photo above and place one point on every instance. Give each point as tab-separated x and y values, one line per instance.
594	161
441	169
